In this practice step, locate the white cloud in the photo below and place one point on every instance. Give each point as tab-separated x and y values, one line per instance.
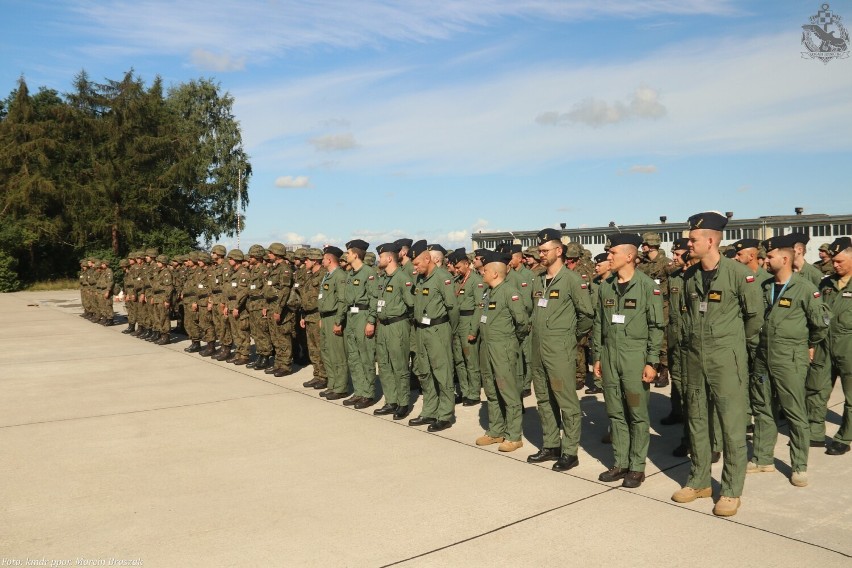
209	61
640	169
334	142
743	189
293	182
644	103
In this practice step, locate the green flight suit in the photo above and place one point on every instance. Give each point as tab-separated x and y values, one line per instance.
465	353
834	358
332	308
359	294
628	332
721	319
392	312
657	270
795	320
812	273
503	325
433	364
524	286
562	313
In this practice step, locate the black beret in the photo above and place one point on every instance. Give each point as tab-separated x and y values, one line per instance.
547	235
417	248
517	249
839	245
680	244
625	239
745	244
403	243
357	244
495	256
481	252
436	247
457	255
799	238
707	220
730	253
332	250
784	241
388	247
504	247
601	257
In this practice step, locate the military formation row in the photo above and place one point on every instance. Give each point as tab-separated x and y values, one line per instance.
737	342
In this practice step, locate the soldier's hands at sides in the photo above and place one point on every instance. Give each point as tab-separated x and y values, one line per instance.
370	329
302	323
649	374
209	307
194	307
596	369
277	317
338	329
263	312
235	312
811	354
166	304
471	339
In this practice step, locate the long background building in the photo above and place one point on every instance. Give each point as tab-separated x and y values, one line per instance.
820	227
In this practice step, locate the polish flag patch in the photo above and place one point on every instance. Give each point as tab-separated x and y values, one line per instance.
479	285
515	298
447	282
523	284
749	279
816	294
656	292
584	285
408	283
370	277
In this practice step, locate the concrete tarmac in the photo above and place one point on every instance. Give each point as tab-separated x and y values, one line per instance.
115	449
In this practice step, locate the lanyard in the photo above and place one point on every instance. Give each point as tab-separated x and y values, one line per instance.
772	292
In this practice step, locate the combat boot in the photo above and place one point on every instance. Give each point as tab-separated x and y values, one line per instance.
662	379
164	339
194	347
131	327
224	353
262	363
209	350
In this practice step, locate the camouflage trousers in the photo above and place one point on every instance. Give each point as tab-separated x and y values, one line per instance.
312	332
240	332
281	335
222	325
190	321
259	329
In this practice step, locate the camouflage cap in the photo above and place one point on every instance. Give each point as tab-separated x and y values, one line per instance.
124	263
256	251
651	239
370	258
219	249
162	258
84	262
193	256
300	252
313	254
278	249
761	252
823	247
533	252
573	250
152	252
204	257
236	254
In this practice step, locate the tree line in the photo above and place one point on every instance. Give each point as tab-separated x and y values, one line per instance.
112	167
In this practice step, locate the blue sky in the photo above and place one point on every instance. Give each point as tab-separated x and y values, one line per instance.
434	119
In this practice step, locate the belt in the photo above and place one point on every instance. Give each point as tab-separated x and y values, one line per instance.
157	291
255	298
219	291
202	297
361	306
433	323
327	314
466	312
389	321
309	312
190	295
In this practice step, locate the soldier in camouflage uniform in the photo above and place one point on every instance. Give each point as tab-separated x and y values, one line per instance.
308	287
257	310
574	262
300	339
280	315
162	291
221	281
238	292
824	264
189	298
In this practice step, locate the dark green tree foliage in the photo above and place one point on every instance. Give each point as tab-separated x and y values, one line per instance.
116	166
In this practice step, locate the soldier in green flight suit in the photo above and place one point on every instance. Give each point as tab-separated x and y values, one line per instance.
468	289
563	313
602	272
503	324
724	313
433	362
796	320
836	292
360	330
519	267
574	261
392	312
655	265
674	334
627	336
332	309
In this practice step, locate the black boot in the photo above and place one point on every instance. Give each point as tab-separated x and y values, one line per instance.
208	350
224	353
164	339
131	327
262	363
194	347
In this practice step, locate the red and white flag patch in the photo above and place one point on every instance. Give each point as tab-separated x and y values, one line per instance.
523	284
447	282
408	283
656	292
749	279
584	285
515	298
816	294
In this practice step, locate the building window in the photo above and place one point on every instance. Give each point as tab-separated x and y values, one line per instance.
842	230
802	230
733	234
600	239
750	233
586	239
821	231
777	231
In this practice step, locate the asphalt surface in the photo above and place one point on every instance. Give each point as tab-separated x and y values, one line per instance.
117	450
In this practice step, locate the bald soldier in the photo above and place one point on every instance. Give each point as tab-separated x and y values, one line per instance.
800	265
503	324
724	312
563	312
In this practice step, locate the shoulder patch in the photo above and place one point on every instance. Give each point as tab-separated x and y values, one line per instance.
447	282
515	298
524	284
656	292
816	294
479	285
749	279
584	276
584	285
408	283
371	277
